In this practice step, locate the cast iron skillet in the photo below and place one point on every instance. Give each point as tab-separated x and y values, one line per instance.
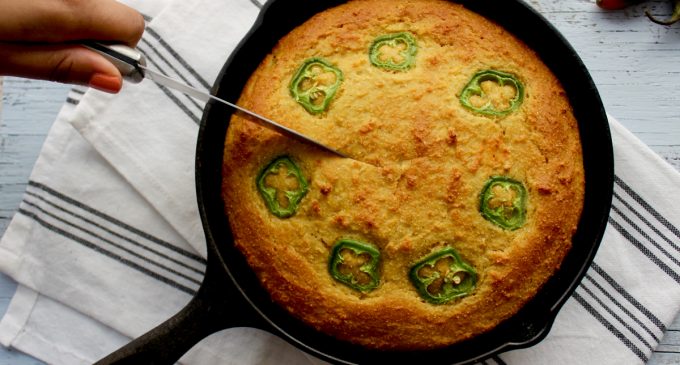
231	296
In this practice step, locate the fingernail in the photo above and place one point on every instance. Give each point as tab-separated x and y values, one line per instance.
107	83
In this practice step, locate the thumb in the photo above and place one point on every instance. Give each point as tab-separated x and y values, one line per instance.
61	63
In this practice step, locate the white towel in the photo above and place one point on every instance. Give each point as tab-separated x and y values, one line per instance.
108	240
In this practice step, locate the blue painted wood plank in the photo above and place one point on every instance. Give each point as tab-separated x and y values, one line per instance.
27	112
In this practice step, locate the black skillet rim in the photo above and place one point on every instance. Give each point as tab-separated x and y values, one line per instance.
531	324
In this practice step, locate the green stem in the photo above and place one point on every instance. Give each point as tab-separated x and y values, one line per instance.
673	19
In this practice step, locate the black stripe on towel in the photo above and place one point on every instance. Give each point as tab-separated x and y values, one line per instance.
642	248
162	70
74	95
176	100
169	64
646	236
589	308
662	245
107	253
107	241
646	222
618	318
153	33
628	297
179	58
113	233
116	222
647	206
621	307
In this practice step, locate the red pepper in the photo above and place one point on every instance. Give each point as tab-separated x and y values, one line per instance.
616	4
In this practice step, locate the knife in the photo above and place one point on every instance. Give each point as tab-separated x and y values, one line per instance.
132	65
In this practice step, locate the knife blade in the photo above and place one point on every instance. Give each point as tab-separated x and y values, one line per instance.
132	65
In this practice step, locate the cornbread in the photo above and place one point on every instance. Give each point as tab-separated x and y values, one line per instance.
465	187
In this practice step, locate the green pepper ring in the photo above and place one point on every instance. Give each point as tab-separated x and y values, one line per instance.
370	268
409	54
496	216
269	193
449	290
305	98
473	87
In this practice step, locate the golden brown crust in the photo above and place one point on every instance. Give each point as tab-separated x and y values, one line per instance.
434	157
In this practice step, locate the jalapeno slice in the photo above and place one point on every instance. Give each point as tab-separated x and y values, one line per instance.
492	92
503	202
282	186
355	264
395	51
315	84
443	276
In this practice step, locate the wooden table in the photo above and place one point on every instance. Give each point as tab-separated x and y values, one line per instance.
635	65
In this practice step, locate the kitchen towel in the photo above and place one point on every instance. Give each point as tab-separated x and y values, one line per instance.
108	240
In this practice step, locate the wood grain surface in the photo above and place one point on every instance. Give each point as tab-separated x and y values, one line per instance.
634	62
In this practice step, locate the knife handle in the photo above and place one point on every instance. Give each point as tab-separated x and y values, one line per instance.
126	59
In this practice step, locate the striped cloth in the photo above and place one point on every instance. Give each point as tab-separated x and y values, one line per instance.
108	241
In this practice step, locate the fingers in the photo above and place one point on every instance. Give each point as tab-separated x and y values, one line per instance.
55	21
67	64
33	33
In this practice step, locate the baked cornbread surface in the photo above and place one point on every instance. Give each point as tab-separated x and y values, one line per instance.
429	157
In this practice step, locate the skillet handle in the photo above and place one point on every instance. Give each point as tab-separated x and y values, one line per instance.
216	306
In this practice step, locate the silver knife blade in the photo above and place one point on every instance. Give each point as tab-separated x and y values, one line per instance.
132	65
204	96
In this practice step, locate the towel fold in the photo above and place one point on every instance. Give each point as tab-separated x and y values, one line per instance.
108	241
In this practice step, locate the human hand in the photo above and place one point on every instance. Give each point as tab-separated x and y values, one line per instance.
34	36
